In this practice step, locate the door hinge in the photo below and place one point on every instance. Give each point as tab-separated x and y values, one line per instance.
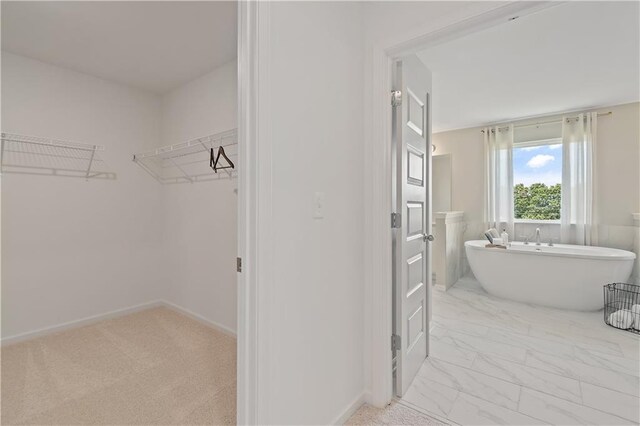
396	220
239	264
396	98
395	342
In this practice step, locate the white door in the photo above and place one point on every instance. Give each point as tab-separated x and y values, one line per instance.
412	232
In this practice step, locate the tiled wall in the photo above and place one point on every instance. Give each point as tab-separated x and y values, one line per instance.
448	248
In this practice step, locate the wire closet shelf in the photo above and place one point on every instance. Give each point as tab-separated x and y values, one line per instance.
44	156
188	162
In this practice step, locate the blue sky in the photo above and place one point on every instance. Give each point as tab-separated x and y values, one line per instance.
538	164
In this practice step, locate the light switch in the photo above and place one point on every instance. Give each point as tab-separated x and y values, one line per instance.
318	205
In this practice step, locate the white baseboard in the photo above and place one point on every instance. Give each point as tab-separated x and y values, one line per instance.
79	323
224	329
9	340
350	410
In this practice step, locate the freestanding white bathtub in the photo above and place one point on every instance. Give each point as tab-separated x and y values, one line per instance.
562	276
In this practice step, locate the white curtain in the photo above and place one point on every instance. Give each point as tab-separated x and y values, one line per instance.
498	144
578	165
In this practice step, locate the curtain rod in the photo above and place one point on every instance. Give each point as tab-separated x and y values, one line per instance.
538	123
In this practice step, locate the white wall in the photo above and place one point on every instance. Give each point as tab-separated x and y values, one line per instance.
618	170
391	22
467	178
74	248
201	218
617	181
313	99
441	183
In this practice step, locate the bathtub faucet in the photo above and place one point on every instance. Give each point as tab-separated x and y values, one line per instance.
538	236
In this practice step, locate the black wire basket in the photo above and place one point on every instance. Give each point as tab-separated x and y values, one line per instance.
622	306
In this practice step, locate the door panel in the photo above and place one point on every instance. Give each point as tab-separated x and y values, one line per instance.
415	112
415	220
415	167
415	273
415	327
412	158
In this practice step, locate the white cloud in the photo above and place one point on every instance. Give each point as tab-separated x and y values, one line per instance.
540	160
555	146
531	148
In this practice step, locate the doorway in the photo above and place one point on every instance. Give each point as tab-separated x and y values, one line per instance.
487	353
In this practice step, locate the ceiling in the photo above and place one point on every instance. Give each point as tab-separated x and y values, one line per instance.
155	46
574	55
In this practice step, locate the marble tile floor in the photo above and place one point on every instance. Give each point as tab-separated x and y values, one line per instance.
493	361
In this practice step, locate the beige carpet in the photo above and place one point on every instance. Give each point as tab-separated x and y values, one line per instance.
152	367
393	414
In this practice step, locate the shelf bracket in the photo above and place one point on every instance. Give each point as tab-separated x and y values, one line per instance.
93	154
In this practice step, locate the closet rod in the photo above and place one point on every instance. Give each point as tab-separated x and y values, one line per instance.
539	123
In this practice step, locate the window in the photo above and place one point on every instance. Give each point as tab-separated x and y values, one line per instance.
526	167
537	180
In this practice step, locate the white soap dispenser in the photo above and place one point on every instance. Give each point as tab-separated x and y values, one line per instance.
505	238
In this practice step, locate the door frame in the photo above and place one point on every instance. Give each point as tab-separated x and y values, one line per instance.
254	216
378	202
